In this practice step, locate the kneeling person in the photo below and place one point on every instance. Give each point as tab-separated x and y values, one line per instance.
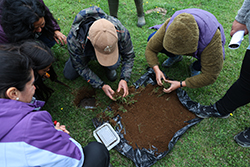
97	36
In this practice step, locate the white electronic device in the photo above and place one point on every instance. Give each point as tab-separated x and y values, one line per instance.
106	134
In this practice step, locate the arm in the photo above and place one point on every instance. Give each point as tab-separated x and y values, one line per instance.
80	62
58	35
241	20
81	65
57	147
127	53
155	45
243	12
211	64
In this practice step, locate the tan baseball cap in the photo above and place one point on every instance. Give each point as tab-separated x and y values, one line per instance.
103	36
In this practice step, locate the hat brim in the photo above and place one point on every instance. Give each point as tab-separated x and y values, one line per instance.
108	59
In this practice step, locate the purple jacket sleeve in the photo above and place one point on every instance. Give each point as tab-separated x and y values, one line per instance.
3	38
43	135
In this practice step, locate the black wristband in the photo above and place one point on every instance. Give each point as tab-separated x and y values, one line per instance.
101	85
181	83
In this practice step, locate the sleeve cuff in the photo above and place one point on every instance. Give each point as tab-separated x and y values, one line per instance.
126	79
100	87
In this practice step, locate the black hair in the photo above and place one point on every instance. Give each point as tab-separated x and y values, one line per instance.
19	16
15	71
38	52
41	57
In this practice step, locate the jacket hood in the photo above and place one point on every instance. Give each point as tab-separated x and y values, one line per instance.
182	35
12	111
93	12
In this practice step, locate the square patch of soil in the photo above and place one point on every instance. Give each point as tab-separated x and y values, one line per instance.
150	117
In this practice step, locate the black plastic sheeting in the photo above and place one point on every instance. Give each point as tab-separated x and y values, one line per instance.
147	157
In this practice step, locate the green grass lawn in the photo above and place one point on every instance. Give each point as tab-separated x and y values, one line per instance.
210	143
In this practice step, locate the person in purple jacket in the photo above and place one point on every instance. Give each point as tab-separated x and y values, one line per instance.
28	19
27	134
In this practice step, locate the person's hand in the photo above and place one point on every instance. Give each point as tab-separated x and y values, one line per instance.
108	91
174	85
123	85
159	75
61	127
61	37
238	26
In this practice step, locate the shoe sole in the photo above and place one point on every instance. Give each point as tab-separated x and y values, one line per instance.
200	116
173	63
239	142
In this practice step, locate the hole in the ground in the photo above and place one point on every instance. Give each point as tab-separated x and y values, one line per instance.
88	103
85	98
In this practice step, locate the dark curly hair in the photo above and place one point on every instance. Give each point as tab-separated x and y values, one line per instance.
19	16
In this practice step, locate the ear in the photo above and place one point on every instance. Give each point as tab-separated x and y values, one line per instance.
12	93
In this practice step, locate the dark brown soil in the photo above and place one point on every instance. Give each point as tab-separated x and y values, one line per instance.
85	97
153	119
150	117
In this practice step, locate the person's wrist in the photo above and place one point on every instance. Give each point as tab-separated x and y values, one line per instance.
181	84
101	85
125	79
156	68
